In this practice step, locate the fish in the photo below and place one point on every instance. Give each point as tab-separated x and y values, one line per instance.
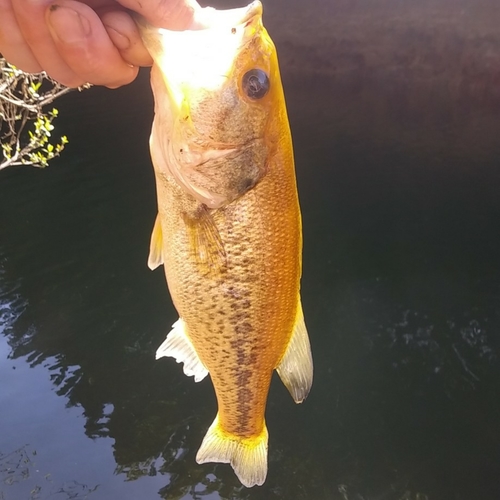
228	230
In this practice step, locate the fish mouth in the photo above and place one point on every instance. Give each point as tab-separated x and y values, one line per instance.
202	58
210	18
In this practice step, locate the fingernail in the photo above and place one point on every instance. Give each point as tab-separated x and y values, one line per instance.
67	25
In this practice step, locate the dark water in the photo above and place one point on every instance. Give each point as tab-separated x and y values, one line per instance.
395	112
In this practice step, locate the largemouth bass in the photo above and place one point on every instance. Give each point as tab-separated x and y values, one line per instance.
228	230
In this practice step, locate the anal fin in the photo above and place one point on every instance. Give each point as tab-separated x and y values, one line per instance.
247	455
296	366
177	345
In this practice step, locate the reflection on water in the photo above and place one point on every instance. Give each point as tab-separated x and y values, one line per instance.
18	468
395	113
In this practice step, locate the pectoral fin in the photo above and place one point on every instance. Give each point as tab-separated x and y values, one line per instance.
296	366
206	244
156	246
177	345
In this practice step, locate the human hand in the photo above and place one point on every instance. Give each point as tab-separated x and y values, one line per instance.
86	41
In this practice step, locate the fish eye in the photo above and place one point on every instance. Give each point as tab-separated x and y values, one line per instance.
255	84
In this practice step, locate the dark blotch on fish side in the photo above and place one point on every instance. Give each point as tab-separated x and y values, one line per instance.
247	184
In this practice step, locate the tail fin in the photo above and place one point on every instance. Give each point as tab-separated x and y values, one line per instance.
247	456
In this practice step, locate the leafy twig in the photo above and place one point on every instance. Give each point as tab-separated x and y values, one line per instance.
25	128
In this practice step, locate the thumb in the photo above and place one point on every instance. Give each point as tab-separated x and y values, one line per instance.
171	14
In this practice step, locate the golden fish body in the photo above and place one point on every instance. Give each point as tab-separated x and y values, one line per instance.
229	229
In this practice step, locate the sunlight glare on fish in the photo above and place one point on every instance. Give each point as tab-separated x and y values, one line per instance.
205	58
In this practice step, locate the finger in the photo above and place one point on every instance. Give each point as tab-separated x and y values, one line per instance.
170	14
82	40
124	34
12	44
30	15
